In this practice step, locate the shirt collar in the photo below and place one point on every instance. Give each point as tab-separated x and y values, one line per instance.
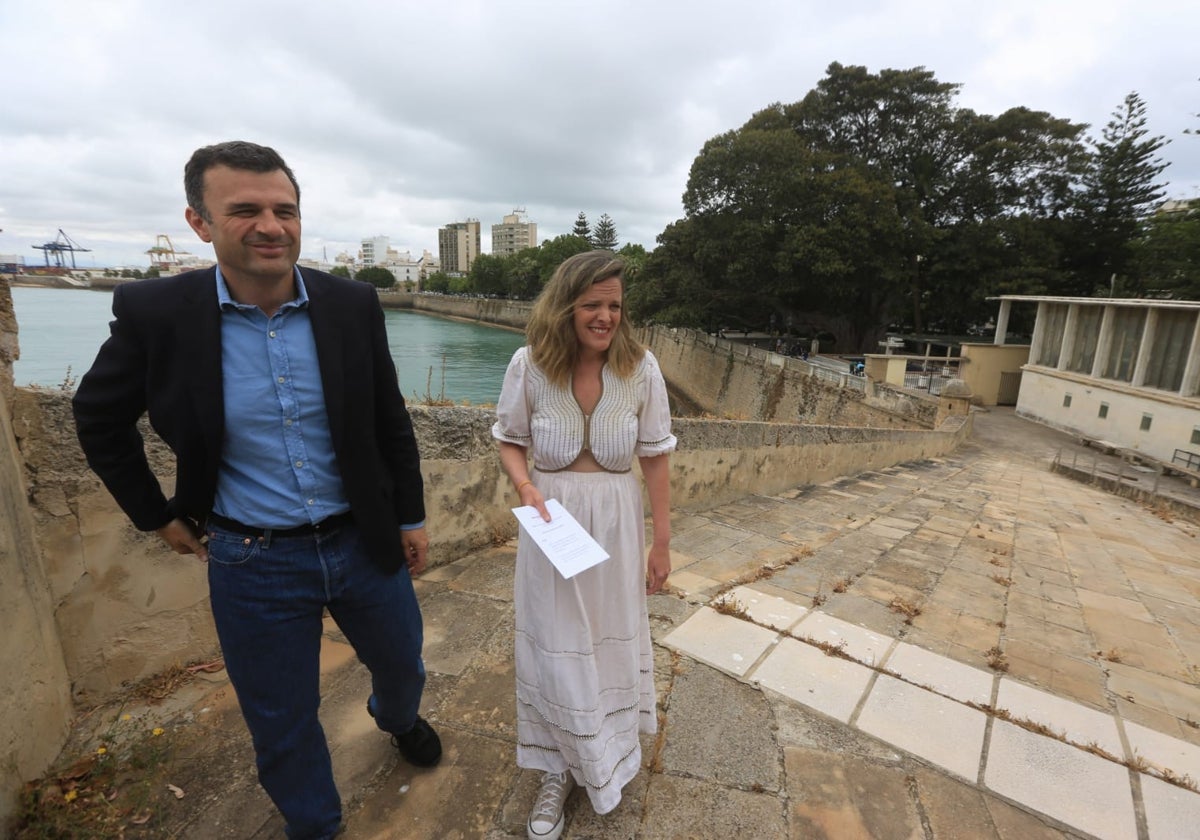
227	303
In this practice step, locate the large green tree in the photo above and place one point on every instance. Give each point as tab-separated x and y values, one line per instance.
874	198
582	229
489	275
1167	254
1120	189
605	234
554	251
377	276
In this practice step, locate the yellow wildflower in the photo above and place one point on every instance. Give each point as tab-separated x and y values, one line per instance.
126	716
71	795
158	730
101	750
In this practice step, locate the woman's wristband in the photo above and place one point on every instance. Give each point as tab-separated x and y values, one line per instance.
522	484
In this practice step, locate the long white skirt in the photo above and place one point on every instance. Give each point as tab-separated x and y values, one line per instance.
585	666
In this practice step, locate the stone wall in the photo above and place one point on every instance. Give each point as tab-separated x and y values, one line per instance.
745	383
125	607
504	313
35	697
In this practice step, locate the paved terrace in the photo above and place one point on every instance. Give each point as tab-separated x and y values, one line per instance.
973	647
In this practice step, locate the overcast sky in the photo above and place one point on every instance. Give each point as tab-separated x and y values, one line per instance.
400	117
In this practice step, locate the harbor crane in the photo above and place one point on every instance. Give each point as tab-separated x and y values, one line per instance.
62	244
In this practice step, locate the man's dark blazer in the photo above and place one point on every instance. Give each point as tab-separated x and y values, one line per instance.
164	357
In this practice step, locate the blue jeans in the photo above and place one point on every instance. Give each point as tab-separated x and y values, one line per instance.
268	598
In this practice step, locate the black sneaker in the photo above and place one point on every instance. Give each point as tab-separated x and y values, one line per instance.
420	745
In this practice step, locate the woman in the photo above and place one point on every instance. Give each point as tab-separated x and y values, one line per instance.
583	398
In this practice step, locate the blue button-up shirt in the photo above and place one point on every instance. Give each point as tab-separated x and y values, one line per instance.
278	468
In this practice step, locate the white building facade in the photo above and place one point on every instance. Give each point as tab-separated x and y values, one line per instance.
1122	371
374	251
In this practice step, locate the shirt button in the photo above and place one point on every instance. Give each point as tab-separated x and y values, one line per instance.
271	333
280	380
310	501
299	463
287	422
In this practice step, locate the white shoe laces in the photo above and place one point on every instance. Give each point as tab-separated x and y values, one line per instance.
551	798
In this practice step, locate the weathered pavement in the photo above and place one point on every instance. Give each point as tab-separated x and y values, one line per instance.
917	579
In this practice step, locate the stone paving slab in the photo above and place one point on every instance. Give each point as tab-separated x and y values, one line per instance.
856	642
1170	811
801	672
765	609
947	734
1080	789
1164	751
941	674
1073	721
722	641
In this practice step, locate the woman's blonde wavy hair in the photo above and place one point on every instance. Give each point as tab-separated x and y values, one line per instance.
551	328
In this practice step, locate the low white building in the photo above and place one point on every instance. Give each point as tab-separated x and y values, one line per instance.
1125	371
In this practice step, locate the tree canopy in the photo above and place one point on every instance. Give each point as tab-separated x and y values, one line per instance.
876	199
377	276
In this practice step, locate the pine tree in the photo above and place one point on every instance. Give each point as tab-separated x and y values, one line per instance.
605	237
1120	191
582	228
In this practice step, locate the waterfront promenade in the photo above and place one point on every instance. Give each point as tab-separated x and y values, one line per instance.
972	647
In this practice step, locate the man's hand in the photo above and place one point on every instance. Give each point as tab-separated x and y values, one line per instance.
416	549
181	537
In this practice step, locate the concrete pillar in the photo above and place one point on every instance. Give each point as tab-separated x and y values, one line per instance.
954	401
1145	348
1002	322
1068	338
1104	342
1039	334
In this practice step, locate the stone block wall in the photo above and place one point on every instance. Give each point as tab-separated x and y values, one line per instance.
740	383
35	697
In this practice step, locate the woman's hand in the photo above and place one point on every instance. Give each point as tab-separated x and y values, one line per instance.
530	495
658	566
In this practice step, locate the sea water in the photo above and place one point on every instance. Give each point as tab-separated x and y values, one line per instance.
60	331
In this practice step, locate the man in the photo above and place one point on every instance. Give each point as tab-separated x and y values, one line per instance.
298	476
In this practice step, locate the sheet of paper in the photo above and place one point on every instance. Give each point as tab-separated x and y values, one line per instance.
563	540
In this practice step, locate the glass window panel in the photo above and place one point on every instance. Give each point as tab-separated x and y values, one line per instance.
1087	334
1054	322
1170	349
1128	323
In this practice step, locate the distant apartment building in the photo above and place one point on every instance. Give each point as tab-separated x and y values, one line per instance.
458	246
513	234
374	251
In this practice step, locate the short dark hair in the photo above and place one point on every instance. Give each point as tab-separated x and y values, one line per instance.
236	154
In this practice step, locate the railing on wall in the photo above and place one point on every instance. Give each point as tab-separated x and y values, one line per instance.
842	379
926	381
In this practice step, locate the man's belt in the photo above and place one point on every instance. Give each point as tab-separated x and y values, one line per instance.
325	526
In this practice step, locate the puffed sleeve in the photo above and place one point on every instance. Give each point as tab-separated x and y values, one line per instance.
654	420
512	409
